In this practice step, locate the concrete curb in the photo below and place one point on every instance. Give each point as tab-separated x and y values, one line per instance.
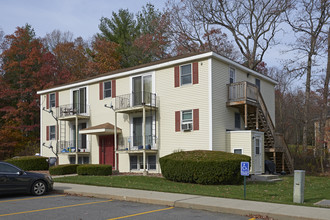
213	204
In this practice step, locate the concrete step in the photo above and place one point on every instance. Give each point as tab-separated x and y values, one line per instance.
265	178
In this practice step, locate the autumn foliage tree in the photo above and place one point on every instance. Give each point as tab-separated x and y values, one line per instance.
26	68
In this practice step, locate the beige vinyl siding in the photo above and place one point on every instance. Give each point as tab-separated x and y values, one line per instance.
101	114
223	117
240	140
186	97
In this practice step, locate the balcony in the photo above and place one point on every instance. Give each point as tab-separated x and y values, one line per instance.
242	93
71	111
69	147
135	102
135	143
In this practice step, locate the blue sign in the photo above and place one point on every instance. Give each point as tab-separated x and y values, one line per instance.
245	168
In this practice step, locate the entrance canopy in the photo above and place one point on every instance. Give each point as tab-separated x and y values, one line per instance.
102	129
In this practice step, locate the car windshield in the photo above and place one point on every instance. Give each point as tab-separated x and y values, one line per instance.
5	168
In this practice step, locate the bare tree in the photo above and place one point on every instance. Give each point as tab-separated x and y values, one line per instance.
324	108
308	23
252	23
51	40
190	34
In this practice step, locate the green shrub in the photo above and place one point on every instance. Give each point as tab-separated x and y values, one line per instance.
95	170
30	162
63	169
203	167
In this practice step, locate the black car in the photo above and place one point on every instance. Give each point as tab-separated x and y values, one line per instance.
16	180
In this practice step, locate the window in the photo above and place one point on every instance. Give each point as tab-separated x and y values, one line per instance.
107	89
52	102
133	162
5	168
238	151
52	132
136	162
186	116
185	71
151	162
231	75
258	83
237	120
257	146
81	160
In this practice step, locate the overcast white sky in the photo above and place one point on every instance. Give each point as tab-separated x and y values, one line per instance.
81	17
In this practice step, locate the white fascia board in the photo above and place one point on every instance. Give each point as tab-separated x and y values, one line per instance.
239	66
126	73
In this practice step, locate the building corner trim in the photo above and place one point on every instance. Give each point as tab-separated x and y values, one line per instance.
210	104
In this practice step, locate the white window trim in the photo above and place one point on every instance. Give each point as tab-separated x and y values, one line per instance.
191	74
77	88
238	149
234	75
110	89
138	162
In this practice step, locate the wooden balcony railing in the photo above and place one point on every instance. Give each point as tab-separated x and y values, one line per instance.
242	91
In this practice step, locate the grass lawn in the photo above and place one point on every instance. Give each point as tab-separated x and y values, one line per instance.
316	188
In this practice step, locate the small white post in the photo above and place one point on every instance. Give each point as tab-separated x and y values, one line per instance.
298	187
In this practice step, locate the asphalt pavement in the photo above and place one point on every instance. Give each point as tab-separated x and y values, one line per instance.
214	204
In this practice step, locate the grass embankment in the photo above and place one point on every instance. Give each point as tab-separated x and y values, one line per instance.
316	188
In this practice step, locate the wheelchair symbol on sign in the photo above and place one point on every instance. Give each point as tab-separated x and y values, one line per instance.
244	168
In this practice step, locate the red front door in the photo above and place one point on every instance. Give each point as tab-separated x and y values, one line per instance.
106	150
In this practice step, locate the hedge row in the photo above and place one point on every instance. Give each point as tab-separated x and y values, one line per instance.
30	162
203	167
94	169
63	169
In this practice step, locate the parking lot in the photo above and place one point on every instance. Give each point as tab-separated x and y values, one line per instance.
60	206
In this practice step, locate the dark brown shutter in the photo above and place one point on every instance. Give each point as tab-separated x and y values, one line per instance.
195	73
47	133
56	100
47	101
101	90
113	88
176	76
56	137
196	119
177	121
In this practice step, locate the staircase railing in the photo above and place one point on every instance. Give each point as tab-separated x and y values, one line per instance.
279	140
266	113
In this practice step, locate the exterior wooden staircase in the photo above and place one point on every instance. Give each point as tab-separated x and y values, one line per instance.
247	98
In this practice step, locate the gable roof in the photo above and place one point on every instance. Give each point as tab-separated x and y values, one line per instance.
154	66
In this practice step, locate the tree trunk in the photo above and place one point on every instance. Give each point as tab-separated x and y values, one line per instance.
324	109
307	98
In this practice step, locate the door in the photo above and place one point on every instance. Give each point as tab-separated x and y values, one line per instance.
257	163
137	131
106	150
82	138
79	100
142	88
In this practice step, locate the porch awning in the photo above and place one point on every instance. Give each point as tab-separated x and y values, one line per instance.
102	129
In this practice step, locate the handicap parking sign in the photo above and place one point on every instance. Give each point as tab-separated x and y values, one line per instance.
245	168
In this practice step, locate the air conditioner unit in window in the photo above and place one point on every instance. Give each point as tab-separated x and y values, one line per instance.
186	126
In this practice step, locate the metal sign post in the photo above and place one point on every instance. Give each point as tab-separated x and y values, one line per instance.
245	171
